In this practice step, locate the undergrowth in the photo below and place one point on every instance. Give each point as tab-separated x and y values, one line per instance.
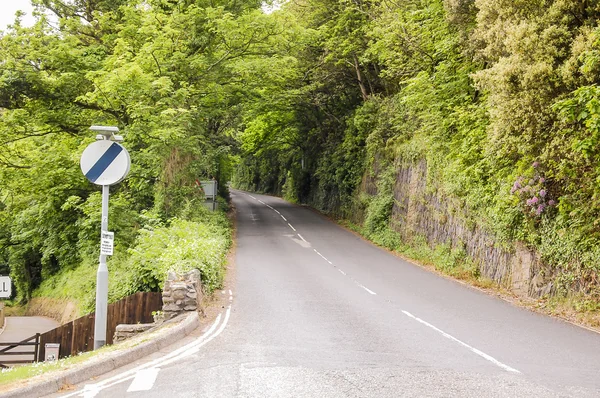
196	239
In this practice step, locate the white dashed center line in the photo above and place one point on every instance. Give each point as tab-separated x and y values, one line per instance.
315	250
366	288
448	336
322	256
473	349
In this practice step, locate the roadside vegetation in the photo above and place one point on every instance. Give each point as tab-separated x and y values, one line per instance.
168	77
323	102
498	101
199	239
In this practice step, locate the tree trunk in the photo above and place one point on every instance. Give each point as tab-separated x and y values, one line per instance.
361	84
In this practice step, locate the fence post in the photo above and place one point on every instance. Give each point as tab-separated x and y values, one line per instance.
37	348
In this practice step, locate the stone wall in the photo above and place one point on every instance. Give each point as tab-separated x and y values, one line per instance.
418	211
182	293
124	332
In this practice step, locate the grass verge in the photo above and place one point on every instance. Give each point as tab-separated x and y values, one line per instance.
578	309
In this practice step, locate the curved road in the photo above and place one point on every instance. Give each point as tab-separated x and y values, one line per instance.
318	312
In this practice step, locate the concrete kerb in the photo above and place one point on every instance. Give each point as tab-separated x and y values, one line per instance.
111	361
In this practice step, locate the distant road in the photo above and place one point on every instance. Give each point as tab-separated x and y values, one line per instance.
319	312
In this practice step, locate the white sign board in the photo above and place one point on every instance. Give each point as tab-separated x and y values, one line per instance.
107	243
5	287
105	162
210	189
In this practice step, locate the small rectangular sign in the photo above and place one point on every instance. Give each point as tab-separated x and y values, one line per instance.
210	189
5	287
52	351
107	243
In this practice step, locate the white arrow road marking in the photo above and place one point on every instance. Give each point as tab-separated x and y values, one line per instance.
473	349
91	390
144	380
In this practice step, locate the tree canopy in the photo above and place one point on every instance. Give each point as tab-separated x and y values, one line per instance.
499	98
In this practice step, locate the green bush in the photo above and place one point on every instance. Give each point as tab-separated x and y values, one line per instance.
200	241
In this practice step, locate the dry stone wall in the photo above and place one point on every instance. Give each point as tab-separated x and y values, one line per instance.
182	293
124	331
417	211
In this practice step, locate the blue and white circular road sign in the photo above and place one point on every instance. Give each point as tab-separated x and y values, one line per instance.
105	162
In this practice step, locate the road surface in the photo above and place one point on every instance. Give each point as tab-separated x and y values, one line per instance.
318	312
19	328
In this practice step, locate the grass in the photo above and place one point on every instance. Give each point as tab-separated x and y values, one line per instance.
20	373
11	308
449	261
200	241
579	309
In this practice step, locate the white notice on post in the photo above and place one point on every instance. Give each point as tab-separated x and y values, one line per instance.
107	243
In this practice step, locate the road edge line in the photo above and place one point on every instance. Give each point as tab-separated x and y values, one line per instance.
111	362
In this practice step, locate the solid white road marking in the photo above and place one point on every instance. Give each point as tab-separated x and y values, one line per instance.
91	390
473	349
144	380
293	229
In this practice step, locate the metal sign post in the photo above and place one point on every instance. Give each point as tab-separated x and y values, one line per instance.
102	282
105	163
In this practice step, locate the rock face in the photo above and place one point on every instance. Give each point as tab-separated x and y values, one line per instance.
182	293
417	211
123	332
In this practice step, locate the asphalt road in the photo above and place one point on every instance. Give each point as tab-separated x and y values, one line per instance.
19	328
318	312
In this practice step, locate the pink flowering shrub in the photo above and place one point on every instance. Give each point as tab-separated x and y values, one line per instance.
532	193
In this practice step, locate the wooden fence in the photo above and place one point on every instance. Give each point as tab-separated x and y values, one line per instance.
78	336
